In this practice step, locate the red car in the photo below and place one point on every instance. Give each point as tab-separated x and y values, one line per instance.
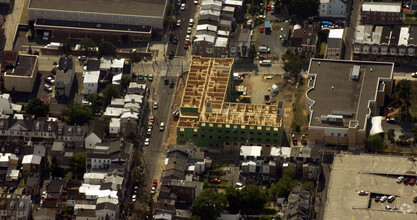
412	181
186	44
261	29
268	7
155	182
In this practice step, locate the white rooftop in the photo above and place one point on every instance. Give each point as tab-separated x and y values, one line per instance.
133	85
336	33
118	101
107	199
221	42
5	157
206	27
130	114
133	98
105	63
204	37
222	33
281	152
91	76
215	13
117	63
404	36
84	206
113	112
114	123
99	176
94	190
254	151
31	159
381	6
117	79
233	2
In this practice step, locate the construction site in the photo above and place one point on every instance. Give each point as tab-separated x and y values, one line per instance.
210	117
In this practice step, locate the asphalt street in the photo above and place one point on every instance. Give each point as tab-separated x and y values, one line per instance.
350	31
181	32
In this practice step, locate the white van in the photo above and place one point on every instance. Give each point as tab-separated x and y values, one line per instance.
264	49
265	63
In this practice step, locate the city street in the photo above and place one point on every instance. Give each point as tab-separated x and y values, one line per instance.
181	32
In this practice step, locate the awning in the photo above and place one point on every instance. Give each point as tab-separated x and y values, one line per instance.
376	125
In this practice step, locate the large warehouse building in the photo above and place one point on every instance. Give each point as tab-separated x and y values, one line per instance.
124	19
209	120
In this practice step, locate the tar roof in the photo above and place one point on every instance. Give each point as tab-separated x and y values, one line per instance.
24	66
153	8
373	174
334	91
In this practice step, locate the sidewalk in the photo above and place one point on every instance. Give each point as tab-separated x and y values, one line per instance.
12	23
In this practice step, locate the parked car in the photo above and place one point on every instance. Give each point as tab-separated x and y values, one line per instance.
303	140
265	63
175	40
162	126
153	190
187	38
178	22
362	193
191	23
391	198
155	105
151	77
82	58
47	87
186	44
415	199
377	198
133	198
141	77
171	84
383	198
189	30
400	179
147	142
50	80
155	183
391	120
149	132
171	55
196	2
414	74
412	181
261	29
388	207
182	6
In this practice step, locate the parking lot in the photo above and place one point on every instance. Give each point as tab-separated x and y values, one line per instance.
272	40
375	175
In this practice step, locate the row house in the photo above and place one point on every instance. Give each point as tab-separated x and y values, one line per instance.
239	45
391	43
381	13
332	8
304	41
335	44
15	207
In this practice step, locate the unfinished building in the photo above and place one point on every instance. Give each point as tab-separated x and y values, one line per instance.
207	118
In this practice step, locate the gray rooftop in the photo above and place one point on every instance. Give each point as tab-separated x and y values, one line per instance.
335	92
152	8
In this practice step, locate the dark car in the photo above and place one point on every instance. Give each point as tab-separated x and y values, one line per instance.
415	199
171	85
141	77
166	81
406	179
377	198
171	55
175	40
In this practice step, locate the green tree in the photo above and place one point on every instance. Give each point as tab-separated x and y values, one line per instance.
254	9
106	48
78	164
283	187
253	199
208	205
304	8
125	82
37	108
292	63
310	185
76	113
65	46
374	143
96	102
134	57
252	51
111	91
402	98
131	138
106	122
88	46
233	198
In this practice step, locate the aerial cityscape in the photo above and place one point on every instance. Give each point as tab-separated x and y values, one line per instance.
208	109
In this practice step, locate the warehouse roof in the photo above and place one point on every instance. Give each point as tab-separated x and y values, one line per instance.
151	8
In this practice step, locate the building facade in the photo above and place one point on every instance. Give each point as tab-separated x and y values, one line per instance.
332	8
381	13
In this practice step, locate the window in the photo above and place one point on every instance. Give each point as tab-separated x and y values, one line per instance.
345	135
332	134
338	135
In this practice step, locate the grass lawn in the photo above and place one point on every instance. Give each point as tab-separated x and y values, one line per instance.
300	116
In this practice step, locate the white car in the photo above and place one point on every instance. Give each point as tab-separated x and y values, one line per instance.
82	58
187	38
47	88
179	22
196	2
191	22
182	6
155	105
414	74
400	179
147	142
383	199
153	190
265	63
50	80
149	132
162	126
391	198
134	198
189	30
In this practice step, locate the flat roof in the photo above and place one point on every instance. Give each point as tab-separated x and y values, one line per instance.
24	66
94	25
151	8
375	174
333	91
382	6
336	33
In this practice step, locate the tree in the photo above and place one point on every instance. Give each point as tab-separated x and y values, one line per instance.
134	57
37	107
233	198
292	63
76	113
304	8
78	164
106	122
111	91
125	82
131	138
310	185
252	51
106	48
253	9
402	98
253	199
374	143
65	46
96	102
283	187
208	205
88	46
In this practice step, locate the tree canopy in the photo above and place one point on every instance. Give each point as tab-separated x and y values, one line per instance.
65	46
304	8
283	187
111	91
88	46
292	63
106	48
374	143
37	107
402	98
76	113
125	82
78	164
253	199
233	198
134	57
208	205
